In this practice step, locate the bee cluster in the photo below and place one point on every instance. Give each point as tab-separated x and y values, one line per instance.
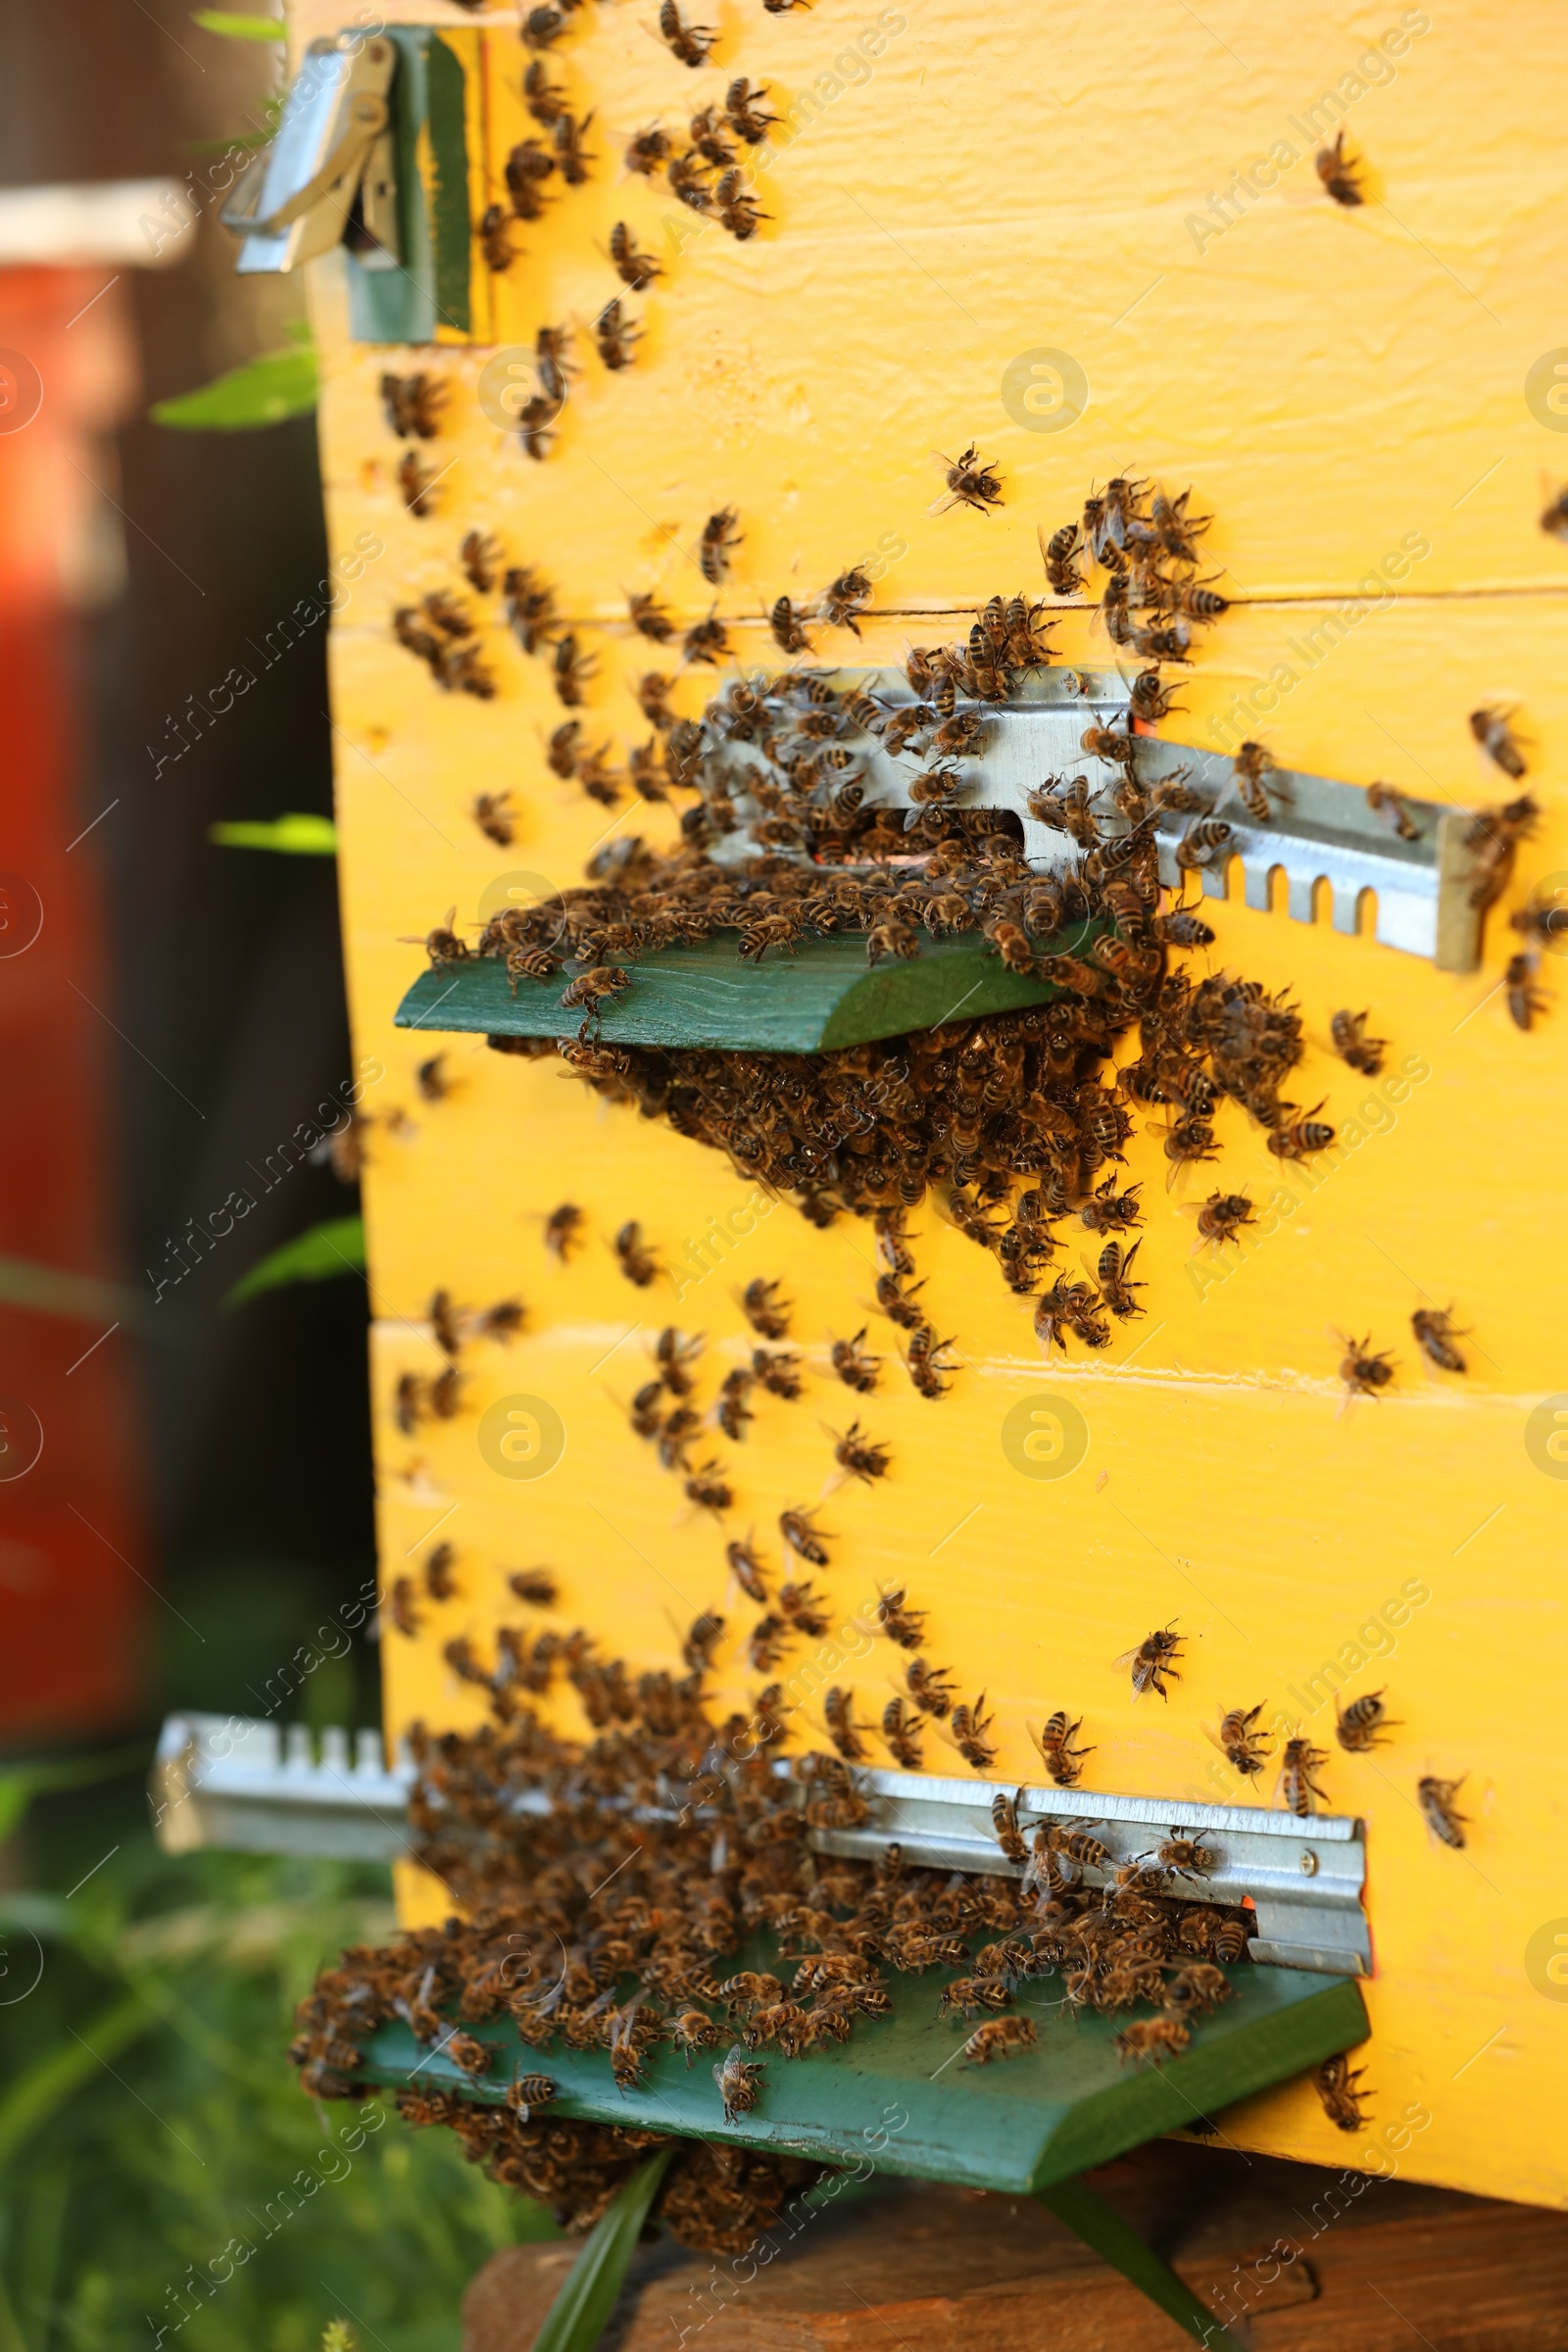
611	1887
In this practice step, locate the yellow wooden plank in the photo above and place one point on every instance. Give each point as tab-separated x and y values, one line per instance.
976	191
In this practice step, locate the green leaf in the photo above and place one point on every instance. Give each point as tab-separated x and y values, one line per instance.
295	835
235	26
34	2097
336	1246
576	2318
278	385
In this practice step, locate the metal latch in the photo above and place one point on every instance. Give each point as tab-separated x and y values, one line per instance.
330	174
1319	830
226	1781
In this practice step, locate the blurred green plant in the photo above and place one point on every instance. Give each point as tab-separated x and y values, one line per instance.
278	385
236	26
295	835
160	2175
334	1247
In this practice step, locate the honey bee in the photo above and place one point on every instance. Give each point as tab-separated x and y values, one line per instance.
1491	729
969	1727
864	1457
535	1585
529	605
857	1369
1243	1749
705	1635
796	1527
905	1625
1336	2085
633	266
1390	808
691	43
708	1489
743	105
719	535
647	152
972	481
1359	1726
672	1353
1153	1660
787	622
706	641
737	211
571	155
1181	928
416	483
1004	1823
1353	1046
407	1402
399	1607
1185	1857
445	1393
1063	555
730	1410
674	1433
1252	764
430	1078
572	670
1297	1137
1115	1288
901	1732
1063	1762
1230	1939
563	1230
740	2082
777	1373
693	2031
845	599
764	1308
635	1261
614	333
534	421
801	1605
595	988
1198	1987
930	1688
1362	1370
1149	701
495	819
480	557
746	1570
650	620
1435	1332
1436	1798
1298	1761
1152	2038
1203	843
1338	173
1524	999
842	1728
413	405
439	1580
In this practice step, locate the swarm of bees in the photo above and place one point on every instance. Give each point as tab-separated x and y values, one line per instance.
1146	543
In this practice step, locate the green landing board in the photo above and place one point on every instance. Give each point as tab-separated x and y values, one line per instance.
1018	2125
824	994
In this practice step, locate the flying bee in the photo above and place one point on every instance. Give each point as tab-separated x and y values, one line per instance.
635	1261
691	43
1063	1762
796	1527
1359	1726
647	152
1363	1370
905	1625
1435	1332
1336	2085
1491	729
1338	173
971	482
1437	1805
787	621
1115	1288
845	599
746	1570
1251	765
842	1729
496	819
864	1457
401	1609
1245	1750
764	1310
719	535
1298	1761
855	1367
930	1688
1004	1823
1353	1046
614	333
777	1373
1153	1660
1297	1137
901	1733
969	1727
413	405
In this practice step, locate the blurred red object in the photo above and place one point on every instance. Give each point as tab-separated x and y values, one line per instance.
74	1581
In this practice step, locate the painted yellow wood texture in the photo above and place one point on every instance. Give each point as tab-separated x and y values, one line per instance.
952	190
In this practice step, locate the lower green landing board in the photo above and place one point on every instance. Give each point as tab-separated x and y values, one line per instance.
824	994
1018	2125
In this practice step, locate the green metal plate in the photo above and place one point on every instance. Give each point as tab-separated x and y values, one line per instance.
1017	2125
824	994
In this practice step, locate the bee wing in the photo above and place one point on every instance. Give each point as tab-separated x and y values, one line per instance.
1128	1655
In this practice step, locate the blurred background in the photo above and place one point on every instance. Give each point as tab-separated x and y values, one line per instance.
184	1457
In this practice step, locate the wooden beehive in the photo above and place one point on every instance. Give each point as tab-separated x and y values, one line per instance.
953	196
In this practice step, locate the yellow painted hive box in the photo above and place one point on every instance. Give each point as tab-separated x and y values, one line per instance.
1090	255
